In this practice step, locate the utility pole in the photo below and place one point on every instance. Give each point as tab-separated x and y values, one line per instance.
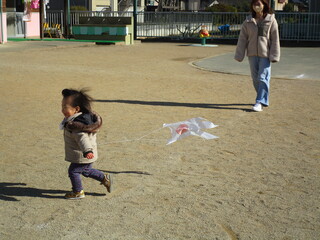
41	10
67	22
135	16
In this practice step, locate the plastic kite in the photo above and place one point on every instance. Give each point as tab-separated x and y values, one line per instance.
193	126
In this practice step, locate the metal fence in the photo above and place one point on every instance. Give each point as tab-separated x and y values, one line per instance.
57	17
188	24
299	26
182	25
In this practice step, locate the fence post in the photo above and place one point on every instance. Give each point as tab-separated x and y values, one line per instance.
299	26
62	21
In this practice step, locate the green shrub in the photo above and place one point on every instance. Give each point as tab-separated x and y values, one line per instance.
289	7
243	7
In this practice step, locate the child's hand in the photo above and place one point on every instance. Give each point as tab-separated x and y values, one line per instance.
90	156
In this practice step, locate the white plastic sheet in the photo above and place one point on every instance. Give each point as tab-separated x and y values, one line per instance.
193	126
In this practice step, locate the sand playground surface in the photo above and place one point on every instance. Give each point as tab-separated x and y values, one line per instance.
258	180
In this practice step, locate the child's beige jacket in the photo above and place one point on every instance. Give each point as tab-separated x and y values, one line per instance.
80	139
260	40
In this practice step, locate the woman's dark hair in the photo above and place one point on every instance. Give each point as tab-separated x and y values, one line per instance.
79	98
266	7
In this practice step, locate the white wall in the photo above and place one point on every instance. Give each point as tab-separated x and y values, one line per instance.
194	5
98	5
3	28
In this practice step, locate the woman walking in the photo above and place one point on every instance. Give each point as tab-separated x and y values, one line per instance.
259	38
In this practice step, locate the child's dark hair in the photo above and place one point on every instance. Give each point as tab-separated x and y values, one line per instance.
79	98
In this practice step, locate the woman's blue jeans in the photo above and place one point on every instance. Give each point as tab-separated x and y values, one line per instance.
261	73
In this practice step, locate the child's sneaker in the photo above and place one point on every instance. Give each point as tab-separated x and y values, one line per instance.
75	195
108	182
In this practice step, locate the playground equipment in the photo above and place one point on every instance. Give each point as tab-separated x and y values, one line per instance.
105	28
204	34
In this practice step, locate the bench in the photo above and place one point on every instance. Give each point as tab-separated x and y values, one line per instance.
105	28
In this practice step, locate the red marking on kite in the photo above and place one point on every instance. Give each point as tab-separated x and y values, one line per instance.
182	129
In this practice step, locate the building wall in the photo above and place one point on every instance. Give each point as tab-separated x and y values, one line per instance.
194	5
59	4
33	27
80	3
14	6
279	4
3	32
4	4
98	5
16	27
3	23
55	5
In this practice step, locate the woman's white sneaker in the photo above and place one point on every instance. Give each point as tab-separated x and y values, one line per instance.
257	107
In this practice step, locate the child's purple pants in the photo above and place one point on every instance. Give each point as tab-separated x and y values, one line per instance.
75	171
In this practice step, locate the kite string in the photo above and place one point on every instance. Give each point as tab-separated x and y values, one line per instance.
136	139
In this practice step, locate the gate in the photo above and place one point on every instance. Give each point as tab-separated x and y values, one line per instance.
15	25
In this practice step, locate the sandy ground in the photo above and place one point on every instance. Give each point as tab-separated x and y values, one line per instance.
259	180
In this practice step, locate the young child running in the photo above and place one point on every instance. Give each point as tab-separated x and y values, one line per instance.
80	125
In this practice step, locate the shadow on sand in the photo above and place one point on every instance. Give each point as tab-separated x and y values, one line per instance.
126	172
9	192
231	106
